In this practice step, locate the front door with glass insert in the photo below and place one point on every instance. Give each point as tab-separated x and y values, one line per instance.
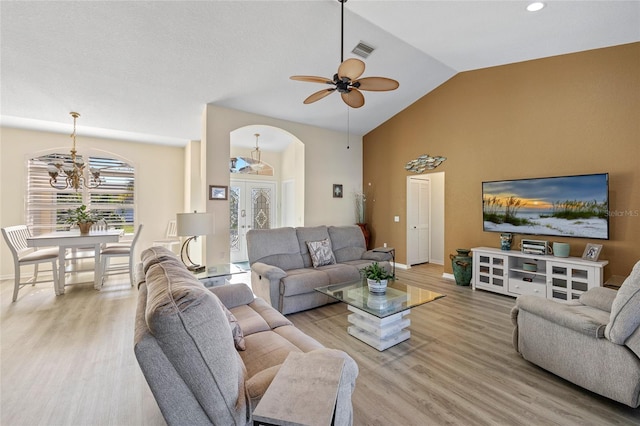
252	205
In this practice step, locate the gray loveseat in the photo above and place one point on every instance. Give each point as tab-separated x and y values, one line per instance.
187	345
593	342
282	270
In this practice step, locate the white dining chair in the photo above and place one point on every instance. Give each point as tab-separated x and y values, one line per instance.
119	250
171	239
16	238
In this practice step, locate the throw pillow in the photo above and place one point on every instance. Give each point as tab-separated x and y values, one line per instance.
321	253
236	331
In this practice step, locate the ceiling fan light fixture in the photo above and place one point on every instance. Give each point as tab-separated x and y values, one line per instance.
347	80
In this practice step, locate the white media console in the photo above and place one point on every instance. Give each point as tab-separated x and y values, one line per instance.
514	273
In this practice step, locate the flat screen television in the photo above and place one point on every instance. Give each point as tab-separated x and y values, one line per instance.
562	206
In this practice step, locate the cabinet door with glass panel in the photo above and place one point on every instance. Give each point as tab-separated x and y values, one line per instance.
567	282
490	272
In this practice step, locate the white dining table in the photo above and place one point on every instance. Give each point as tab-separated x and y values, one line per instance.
71	239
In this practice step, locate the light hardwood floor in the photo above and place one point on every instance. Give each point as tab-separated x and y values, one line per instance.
69	360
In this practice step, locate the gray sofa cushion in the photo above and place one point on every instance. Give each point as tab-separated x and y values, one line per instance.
599	298
193	332
625	310
300	281
278	247
583	319
347	242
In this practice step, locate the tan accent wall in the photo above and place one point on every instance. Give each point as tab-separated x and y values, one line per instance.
564	115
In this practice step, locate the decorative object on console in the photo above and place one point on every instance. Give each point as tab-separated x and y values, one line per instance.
218	192
530	266
592	252
346	80
424	162
506	239
561	249
73	171
82	217
377	277
534	246
462	266
193	225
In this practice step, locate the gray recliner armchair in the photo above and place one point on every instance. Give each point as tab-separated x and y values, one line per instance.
593	342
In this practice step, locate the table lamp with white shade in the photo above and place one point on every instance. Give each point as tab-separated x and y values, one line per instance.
193	225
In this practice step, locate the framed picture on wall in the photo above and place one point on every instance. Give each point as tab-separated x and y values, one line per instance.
217	192
337	190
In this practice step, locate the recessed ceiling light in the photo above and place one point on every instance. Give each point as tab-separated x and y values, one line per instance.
535	6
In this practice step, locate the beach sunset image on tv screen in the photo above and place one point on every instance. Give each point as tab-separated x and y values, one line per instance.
568	206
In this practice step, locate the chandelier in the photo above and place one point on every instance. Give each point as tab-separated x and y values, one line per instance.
72	173
255	154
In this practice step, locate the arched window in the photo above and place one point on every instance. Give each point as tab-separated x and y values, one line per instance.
113	200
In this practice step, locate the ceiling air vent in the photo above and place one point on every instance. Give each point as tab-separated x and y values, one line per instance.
362	50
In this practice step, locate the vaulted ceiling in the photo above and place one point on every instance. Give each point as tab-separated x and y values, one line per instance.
144	70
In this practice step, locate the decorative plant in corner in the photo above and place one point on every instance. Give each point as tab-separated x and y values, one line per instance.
83	217
377	277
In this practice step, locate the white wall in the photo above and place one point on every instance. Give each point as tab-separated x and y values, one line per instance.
159	179
327	161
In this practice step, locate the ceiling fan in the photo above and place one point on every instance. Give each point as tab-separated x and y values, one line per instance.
346	81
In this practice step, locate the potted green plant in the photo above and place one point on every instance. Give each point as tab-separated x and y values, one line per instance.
83	217
377	277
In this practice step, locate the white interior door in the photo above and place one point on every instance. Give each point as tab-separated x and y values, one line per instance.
418	232
252	205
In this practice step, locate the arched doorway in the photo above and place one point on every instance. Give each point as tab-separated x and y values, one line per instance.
269	195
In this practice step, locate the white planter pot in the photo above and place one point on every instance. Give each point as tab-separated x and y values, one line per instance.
377	286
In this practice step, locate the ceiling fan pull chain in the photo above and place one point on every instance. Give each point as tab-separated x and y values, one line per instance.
348	127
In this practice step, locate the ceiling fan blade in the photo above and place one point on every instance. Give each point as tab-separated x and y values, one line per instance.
351	68
311	79
377	84
318	95
354	98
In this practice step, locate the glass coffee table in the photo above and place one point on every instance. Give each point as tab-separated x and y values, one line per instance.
380	320
218	274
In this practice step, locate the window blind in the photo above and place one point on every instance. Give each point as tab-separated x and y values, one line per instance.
113	200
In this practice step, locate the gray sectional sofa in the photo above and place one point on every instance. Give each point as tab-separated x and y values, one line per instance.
282	268
593	342
189	343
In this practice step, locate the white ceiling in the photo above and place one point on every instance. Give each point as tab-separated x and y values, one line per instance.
144	70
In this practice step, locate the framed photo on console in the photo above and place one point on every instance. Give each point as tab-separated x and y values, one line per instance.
592	252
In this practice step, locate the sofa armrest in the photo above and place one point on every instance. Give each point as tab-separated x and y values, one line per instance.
233	295
378	256
265	282
562	314
599	298
270	272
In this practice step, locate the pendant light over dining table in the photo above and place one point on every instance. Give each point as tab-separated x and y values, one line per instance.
72	171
